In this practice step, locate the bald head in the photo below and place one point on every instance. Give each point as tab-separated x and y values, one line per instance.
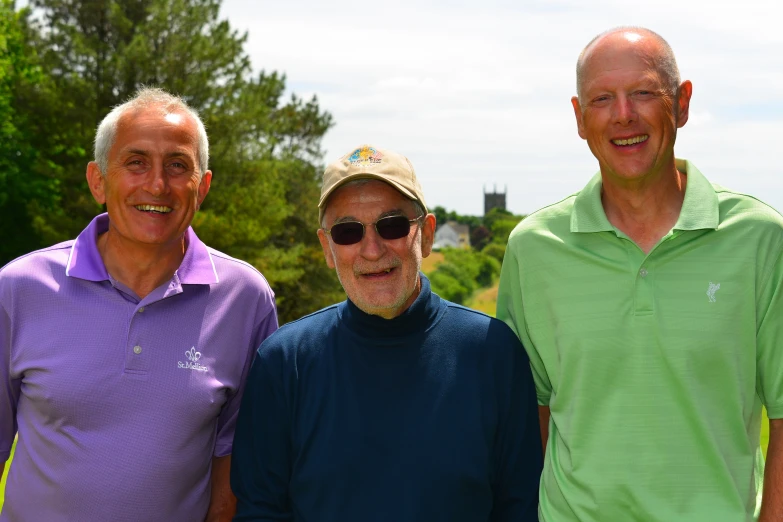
651	44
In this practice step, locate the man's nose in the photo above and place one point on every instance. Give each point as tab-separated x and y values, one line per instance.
624	110
372	246
157	180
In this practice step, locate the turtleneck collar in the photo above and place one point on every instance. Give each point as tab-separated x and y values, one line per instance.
419	316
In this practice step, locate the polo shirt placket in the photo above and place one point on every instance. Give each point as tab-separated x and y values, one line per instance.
137	359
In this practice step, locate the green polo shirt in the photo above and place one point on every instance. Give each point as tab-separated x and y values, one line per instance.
655	366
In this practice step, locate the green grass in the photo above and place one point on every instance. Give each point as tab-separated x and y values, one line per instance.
2	482
484	300
431	262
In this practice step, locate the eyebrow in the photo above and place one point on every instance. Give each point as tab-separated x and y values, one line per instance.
172	154
388	213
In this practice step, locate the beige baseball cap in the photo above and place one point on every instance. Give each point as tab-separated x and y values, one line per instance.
371	162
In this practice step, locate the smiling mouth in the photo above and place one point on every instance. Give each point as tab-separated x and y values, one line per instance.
378	274
156	209
631	141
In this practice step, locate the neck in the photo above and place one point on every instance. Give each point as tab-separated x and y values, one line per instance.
646	209
142	268
414	320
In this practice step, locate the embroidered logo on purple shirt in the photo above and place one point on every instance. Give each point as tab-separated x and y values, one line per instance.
192	363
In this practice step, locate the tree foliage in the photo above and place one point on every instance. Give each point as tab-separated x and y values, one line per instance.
27	188
86	56
462	272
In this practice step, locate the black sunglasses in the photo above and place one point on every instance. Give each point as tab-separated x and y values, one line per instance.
351	232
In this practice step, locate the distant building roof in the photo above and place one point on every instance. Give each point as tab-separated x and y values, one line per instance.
452	234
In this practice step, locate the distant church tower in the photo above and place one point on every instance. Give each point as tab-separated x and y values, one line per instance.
494	199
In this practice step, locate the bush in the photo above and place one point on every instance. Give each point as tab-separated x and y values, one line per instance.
489	268
495	250
449	288
462	273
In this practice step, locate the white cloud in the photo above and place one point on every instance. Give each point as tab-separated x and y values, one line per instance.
477	94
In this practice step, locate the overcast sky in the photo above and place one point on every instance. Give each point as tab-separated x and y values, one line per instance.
477	93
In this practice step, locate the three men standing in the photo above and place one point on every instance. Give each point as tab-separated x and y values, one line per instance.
650	304
123	353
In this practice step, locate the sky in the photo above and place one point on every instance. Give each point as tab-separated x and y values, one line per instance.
477	94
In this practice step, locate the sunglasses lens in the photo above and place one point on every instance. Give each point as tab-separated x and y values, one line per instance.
347	233
393	227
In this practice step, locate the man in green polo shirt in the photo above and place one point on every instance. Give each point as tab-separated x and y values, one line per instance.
651	305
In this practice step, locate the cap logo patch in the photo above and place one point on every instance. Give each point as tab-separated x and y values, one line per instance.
365	156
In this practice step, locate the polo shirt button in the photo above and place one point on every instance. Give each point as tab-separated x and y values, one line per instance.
643	272
141	310
137	349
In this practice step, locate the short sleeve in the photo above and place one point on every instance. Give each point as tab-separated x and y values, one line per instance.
769	340
511	310
228	416
10	387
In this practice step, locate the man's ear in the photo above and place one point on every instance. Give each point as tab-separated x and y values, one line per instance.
97	182
427	234
684	102
203	187
580	127
326	248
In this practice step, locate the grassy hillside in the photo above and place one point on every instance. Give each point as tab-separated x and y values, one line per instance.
431	262
484	300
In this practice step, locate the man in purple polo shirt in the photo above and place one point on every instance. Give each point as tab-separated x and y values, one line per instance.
123	354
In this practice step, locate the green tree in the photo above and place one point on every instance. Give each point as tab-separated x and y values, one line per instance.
265	150
462	272
495	250
497	214
501	230
26	191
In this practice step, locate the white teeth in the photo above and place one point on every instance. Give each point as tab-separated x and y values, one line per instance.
154	208
631	141
387	270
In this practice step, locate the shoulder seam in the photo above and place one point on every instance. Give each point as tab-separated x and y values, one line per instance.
466	309
317	312
59	246
226	257
550	205
723	190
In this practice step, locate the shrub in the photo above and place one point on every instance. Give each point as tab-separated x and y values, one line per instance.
495	251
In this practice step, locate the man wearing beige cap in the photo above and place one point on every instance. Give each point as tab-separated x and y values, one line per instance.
394	405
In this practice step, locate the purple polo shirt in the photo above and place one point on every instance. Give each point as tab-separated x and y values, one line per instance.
120	403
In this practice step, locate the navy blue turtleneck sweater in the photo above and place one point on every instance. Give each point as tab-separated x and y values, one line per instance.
348	417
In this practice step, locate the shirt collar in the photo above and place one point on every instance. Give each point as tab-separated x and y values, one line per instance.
85	261
699	207
417	318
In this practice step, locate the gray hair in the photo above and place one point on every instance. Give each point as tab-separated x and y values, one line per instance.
145	98
417	207
664	62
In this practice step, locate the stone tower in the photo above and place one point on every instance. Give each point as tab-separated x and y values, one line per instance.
494	199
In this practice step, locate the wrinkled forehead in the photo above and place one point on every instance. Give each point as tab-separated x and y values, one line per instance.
157	125
161	115
372	198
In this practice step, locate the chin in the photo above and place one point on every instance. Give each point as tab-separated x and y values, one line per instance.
380	306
